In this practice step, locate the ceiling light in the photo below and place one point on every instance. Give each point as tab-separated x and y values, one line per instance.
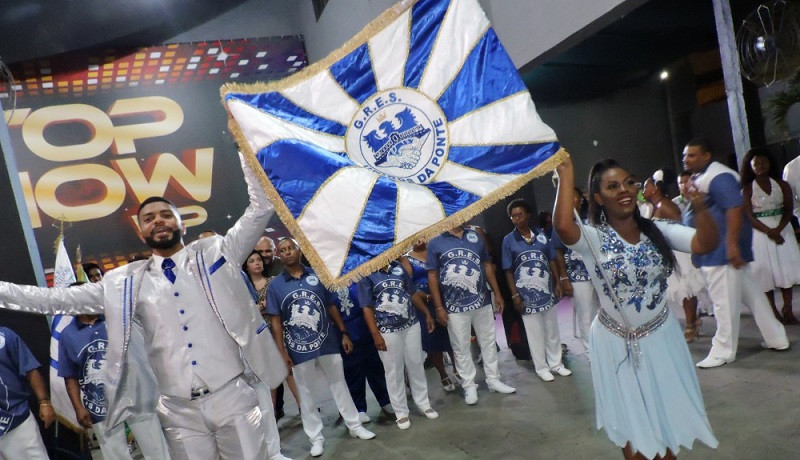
663	75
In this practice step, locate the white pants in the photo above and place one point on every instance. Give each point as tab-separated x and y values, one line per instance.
404	352
544	339
330	368
586	305
728	289
224	424
268	421
147	431
482	320
24	441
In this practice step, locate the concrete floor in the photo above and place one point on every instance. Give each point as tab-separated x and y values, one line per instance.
752	404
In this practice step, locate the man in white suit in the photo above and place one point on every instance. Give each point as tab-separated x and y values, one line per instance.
178	332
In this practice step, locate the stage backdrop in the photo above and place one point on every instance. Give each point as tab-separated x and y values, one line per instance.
95	133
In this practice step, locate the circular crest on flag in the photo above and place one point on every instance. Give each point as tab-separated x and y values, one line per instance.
400	133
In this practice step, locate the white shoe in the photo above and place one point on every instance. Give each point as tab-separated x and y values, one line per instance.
361	433
403	423
711	362
430	413
766	346
562	371
500	387
363	417
471	396
316	449
280	457
545	375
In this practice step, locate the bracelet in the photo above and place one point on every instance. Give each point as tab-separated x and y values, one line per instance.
564	278
344	332
45	402
515	295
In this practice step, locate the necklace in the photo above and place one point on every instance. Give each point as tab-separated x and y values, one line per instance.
527	239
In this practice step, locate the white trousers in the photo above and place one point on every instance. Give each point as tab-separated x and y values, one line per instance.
586	305
544	339
482	320
224	424
330	368
268	421
24	441
728	289
404	352
147	431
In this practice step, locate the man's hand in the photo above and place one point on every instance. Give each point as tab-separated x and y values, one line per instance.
48	415
347	344
566	288
84	418
735	258
516	300
442	317
430	323
380	344
499	304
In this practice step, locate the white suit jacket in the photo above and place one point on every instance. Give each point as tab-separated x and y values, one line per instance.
214	262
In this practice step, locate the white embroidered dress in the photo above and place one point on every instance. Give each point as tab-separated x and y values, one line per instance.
657	406
775	266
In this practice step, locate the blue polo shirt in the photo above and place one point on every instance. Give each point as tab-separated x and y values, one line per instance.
459	262
16	360
576	269
530	264
82	355
302	304
388	292
724	192
346	300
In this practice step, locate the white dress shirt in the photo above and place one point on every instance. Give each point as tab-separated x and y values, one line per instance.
188	346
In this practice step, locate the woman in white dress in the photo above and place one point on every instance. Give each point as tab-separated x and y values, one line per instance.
646	390
768	203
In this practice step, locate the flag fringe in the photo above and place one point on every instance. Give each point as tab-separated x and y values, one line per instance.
379	23
64	421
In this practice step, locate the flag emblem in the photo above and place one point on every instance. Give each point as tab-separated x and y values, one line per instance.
415	125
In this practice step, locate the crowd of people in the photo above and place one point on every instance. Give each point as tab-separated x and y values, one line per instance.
193	347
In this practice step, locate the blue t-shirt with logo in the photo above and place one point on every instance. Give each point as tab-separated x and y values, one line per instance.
388	292
82	355
530	265
302	304
573	261
346	300
16	360
459	262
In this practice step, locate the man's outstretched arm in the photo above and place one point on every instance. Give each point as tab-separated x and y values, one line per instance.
86	299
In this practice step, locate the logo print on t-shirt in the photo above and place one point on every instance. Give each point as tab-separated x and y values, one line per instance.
306	327
92	378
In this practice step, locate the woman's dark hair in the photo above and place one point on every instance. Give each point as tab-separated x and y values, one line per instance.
518	203
746	170
583	210
645	225
244	265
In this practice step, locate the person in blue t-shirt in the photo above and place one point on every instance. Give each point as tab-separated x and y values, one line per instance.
82	359
528	264
19	433
306	326
389	298
725	269
459	269
362	365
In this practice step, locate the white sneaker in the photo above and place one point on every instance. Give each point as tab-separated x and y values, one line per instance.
562	371
316	449
430	413
545	375
361	433
471	396
363	417
403	423
500	387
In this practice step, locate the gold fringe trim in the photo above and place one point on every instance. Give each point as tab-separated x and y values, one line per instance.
69	425
359	39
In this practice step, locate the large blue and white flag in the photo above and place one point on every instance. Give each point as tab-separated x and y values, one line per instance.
414	126
63	276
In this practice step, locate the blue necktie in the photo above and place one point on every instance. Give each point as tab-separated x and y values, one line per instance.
167	265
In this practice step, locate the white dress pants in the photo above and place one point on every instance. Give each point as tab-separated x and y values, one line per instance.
24	441
268	421
544	339
224	424
728	289
147	431
330	368
586	305
404	352
482	320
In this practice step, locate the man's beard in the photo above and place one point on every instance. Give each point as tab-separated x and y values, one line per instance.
164	244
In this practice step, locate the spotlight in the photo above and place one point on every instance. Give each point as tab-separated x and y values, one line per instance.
663	75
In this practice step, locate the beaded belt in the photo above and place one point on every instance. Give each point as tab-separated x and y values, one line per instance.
768	213
642	331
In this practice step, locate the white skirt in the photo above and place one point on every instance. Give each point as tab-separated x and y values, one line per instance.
775	266
686	281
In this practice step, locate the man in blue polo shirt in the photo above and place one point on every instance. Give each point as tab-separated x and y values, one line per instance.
458	270
19	433
725	269
306	325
